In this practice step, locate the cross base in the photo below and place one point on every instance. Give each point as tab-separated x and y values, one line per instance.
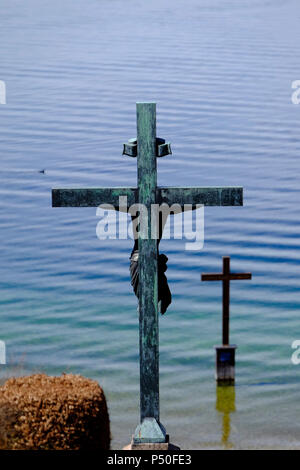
150	431
225	364
152	445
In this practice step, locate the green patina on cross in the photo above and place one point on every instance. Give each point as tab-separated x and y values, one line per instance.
147	148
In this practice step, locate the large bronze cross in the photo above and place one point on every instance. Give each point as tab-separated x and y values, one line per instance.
147	192
226	276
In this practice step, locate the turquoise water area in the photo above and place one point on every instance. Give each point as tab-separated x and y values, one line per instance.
221	74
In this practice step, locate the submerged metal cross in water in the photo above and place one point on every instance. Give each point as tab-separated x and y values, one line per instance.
226	276
225	354
147	148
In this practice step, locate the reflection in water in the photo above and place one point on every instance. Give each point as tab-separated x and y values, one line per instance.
65	297
225	404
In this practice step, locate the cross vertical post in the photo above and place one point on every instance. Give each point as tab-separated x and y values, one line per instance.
226	294
149	430
147	179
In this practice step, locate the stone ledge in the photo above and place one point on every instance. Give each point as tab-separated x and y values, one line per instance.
152	446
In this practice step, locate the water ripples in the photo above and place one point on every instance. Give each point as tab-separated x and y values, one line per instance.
221	76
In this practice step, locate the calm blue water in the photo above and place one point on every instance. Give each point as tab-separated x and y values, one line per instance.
221	75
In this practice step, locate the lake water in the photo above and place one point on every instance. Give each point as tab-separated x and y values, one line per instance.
221	74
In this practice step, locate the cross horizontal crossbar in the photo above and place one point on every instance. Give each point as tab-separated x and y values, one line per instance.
225	277
93	197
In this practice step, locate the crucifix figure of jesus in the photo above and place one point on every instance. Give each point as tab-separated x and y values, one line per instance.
147	147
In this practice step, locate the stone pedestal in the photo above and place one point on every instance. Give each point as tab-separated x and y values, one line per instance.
152	445
225	364
150	435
